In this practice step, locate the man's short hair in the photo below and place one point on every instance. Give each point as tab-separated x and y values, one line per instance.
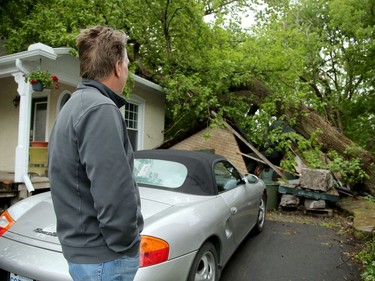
99	49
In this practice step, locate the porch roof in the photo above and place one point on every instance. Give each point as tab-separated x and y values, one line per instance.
38	51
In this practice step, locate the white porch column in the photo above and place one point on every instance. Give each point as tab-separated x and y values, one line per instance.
22	151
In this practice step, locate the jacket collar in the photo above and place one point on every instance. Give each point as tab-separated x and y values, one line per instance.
103	89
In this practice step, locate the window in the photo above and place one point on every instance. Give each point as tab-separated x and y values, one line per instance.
131	119
155	172
132	123
133	113
63	99
226	176
39	121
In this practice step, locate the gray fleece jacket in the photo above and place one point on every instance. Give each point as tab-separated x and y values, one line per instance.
90	167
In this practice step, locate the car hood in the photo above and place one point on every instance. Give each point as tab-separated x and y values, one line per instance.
37	225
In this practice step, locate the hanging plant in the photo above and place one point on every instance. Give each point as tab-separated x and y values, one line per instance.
42	79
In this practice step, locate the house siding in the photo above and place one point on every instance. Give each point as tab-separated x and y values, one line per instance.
9	124
221	141
154	103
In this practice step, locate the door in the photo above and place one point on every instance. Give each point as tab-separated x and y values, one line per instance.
39	121
241	201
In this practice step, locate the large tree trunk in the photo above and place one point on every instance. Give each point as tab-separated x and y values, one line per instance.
308	120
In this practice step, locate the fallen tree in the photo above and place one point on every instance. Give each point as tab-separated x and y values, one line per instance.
306	121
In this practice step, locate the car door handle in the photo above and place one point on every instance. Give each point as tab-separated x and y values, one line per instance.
233	210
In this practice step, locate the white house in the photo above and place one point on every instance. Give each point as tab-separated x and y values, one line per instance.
28	116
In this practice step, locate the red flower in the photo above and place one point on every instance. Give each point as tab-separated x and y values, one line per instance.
32	81
54	78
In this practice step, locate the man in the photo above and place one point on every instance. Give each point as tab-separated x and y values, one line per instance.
95	196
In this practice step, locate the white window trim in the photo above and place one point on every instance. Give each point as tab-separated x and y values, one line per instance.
140	102
59	99
44	94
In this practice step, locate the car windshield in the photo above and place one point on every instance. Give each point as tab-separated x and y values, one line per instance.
159	173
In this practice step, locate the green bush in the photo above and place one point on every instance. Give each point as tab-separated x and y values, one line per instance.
367	257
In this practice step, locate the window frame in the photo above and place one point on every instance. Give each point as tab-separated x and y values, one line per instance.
231	179
59	104
138	101
40	129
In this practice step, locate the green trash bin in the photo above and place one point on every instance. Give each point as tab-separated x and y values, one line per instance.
273	195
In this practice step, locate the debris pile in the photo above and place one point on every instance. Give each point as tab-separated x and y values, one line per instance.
315	189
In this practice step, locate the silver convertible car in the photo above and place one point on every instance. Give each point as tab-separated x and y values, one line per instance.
197	209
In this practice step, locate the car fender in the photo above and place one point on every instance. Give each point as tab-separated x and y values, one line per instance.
194	225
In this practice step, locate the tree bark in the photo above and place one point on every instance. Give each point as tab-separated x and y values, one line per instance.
331	139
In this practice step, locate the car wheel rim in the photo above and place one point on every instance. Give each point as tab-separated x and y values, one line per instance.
206	268
262	212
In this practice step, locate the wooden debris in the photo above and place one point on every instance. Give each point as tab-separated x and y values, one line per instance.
324	212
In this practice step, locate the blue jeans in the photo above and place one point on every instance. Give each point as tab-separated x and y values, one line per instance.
123	269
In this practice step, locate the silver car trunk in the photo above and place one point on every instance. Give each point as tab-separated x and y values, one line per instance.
37	227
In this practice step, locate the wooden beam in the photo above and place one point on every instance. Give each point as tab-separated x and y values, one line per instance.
257	159
256	151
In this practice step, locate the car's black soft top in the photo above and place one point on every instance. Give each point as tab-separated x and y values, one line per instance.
200	179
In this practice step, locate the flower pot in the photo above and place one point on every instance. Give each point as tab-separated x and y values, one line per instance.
38	87
39	144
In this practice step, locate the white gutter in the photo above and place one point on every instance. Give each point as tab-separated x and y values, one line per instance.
35	50
28	183
24	90
20	66
147	83
22	150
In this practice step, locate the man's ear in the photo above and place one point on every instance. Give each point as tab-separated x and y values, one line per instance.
118	66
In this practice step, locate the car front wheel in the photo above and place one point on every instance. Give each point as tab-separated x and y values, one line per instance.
205	264
261	215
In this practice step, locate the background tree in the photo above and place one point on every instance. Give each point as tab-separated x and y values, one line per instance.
335	41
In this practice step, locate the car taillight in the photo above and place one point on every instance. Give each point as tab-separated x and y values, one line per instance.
153	251
6	222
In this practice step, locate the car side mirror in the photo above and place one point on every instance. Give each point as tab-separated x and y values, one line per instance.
252	178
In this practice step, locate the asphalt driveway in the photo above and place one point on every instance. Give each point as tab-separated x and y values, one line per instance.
292	252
